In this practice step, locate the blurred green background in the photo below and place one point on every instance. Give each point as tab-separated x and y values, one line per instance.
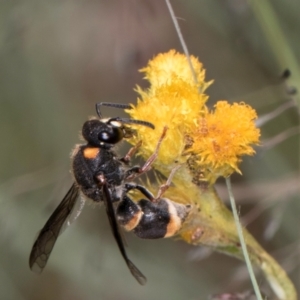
58	58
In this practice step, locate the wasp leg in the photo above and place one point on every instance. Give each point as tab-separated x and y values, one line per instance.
137	274
162	189
134	186
137	170
126	159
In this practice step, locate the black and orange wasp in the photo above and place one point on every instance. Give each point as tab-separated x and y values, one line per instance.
100	175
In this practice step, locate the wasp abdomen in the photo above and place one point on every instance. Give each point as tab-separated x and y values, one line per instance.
152	220
129	214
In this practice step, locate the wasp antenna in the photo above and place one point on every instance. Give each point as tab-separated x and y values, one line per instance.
139	122
115	105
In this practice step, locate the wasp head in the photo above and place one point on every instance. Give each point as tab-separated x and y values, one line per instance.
104	132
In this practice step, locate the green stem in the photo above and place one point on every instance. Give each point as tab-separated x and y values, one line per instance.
242	240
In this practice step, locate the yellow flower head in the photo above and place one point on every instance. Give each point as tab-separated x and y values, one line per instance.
166	67
223	136
209	143
173	100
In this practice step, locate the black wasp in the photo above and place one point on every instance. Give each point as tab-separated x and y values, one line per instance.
103	177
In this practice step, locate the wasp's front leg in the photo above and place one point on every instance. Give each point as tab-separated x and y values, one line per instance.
137	170
126	159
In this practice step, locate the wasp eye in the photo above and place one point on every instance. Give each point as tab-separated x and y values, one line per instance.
112	136
104	136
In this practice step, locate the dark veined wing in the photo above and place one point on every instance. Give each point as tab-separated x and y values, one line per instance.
137	274
45	242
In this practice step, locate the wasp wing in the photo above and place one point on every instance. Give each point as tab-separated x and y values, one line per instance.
137	274
45	242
